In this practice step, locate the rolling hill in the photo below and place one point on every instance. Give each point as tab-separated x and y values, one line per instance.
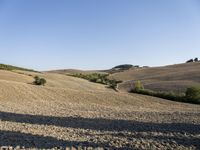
168	78
70	111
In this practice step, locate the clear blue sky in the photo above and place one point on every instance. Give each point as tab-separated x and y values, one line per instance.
98	34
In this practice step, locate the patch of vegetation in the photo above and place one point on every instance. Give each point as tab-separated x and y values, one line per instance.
189	61
10	68
123	67
98	78
138	86
192	94
120	68
165	95
39	81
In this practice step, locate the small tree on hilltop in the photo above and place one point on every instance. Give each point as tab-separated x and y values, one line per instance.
196	60
189	61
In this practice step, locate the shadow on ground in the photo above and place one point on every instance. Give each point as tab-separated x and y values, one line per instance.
101	124
14	139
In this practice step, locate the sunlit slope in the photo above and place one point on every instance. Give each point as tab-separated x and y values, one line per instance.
174	77
12	76
64	95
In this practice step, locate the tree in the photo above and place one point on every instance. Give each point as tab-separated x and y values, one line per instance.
138	86
196	60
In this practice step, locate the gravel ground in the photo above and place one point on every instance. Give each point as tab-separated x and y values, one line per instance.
62	114
35	131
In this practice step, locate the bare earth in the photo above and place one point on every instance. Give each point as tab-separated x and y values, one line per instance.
74	112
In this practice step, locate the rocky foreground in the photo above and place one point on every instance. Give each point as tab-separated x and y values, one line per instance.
144	131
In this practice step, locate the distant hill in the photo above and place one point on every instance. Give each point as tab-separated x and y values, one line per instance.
168	78
10	67
121	68
115	69
74	71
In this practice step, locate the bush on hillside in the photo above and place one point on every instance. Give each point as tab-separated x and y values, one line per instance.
193	94
137	86
39	81
113	84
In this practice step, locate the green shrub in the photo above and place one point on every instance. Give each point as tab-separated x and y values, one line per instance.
112	84
39	81
193	94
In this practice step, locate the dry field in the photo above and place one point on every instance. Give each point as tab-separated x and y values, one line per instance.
74	112
168	78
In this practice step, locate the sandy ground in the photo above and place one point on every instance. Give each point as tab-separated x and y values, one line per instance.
73	112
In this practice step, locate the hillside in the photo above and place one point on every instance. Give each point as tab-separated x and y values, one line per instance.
168	78
10	67
69	111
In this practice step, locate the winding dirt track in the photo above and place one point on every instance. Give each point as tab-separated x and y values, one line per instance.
73	112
